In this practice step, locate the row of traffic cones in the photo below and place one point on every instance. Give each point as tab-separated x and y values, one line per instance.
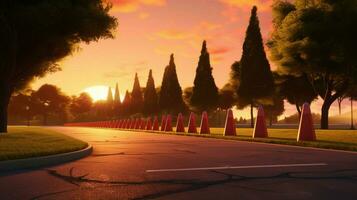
306	130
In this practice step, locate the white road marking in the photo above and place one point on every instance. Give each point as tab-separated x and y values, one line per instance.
235	167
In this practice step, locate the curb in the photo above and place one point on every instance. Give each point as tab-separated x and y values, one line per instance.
42	161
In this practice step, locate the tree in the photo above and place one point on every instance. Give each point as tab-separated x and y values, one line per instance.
187	94
136	96
227	97
126	105
81	104
110	103
205	93
21	107
255	78
150	96
49	100
36	34
170	99
116	102
273	110
295	89
317	38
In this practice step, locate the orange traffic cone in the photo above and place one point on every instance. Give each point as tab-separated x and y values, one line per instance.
132	124
138	123
260	128
168	124
163	122
148	124
306	127
128	126
230	126
192	123
122	123
204	124
179	125
143	124
155	126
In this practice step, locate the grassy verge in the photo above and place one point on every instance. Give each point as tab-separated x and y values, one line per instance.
25	142
327	139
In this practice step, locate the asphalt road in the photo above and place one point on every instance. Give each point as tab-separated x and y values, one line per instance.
137	165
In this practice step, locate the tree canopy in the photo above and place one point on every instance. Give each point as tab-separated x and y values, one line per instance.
256	83
317	38
36	34
150	96
170	99
136	96
205	92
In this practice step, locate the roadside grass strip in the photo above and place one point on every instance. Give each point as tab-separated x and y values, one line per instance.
27	142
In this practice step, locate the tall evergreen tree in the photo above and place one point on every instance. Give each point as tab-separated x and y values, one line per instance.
117	102
170	99
150	96
256	80
205	92
110	102
136	96
126	104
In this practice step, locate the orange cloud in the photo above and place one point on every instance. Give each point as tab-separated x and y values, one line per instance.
127	6
218	50
173	34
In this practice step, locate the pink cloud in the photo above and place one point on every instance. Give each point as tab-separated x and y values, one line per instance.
219	50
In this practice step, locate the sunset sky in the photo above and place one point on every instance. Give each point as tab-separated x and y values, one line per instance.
150	30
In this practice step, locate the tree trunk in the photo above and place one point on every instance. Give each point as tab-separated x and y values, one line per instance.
5	94
324	113
251	116
352	125
271	119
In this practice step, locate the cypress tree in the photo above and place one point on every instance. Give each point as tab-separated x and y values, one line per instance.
136	96
126	105
205	92
150	96
116	100
170	99
255	78
110	102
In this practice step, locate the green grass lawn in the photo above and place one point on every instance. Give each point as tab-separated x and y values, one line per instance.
25	142
329	139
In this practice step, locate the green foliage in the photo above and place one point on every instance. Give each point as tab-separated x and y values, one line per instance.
136	97
49	100
255	78
273	110
81	104
37	34
317	38
227	97
170	99
150	96
205	93
295	89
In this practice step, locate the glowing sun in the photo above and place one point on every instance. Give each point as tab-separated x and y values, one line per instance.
98	92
